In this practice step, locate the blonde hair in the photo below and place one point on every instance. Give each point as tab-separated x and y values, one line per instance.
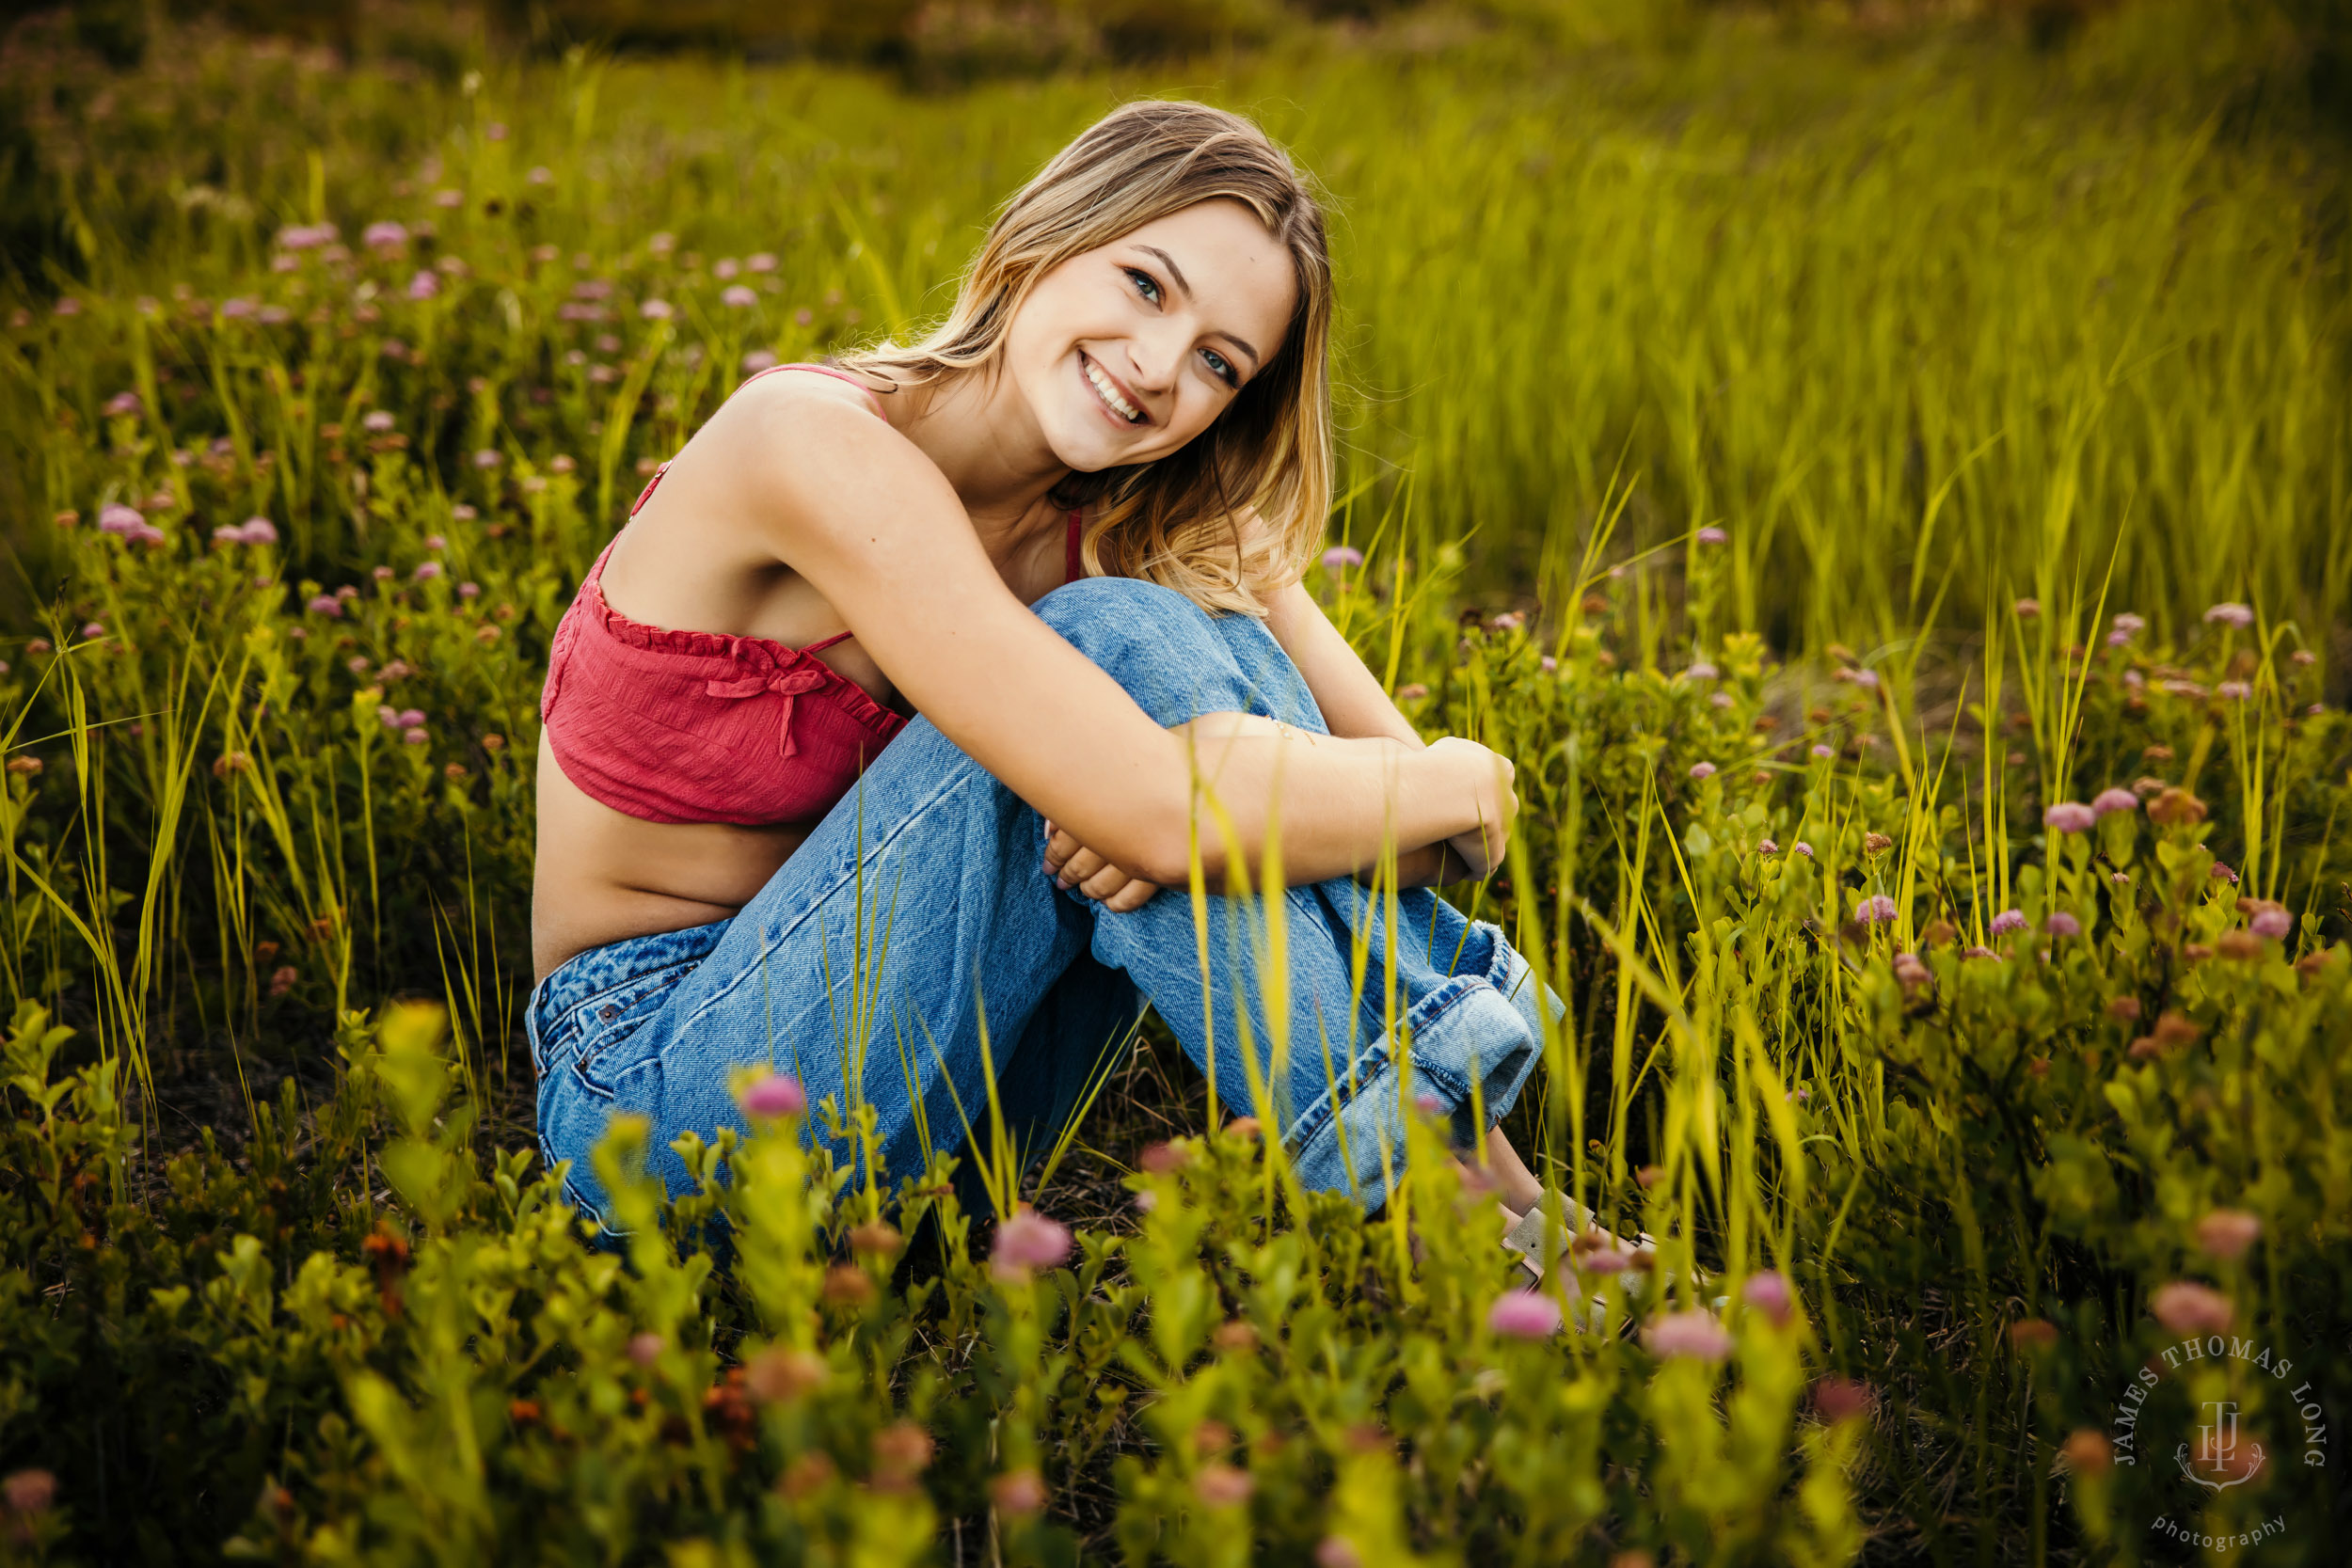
1176	520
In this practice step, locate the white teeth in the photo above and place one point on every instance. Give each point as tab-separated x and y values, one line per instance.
1109	394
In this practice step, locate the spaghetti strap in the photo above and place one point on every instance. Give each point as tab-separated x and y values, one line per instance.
822	369
1074	565
820	647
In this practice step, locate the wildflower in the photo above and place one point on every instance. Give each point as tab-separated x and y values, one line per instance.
774	1095
2275	923
2008	921
376	419
1020	1492
1337	1551
2071	817
1695	1335
464	513
645	1349
1877	909
1701	770
2032	1334
1548	665
410	719
305	236
424	286
67	305
2227	614
228	533
1028	1242
426	571
381	574
1876	844
488	458
760	261
2027	609
93	629
662	243
386	236
388	716
738	297
239	308
2120	640
1524	1315
25	768
1411	691
29	1492
114	517
1770	1293
469	590
1711	536
2226	1233
257	530
1802	848
2175	807
281	980
1910	972
414	736
1220	1485
803	316
1841	1398
1723	699
2185	1307
446	197
2087	1453
435	541
124	405
657	310
2061	924
779	1376
1824	753
232	762
902	1451
2223	874
540	174
326	604
2114	800
1768	847
1339	556
1702	671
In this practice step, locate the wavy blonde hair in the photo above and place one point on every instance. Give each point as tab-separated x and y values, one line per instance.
1177	521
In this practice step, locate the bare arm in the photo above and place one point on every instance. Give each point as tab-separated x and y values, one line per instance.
1352	705
822	476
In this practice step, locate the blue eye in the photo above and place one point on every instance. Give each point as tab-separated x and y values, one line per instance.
1224	368
1145	283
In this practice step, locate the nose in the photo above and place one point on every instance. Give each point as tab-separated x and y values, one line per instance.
1156	353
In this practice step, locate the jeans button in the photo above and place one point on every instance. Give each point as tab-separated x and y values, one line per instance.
607	1012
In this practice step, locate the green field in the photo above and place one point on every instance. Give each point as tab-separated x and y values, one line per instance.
1813	448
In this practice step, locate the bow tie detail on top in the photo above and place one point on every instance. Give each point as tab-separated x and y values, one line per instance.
787	684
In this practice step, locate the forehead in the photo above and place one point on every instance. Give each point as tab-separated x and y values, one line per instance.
1241	277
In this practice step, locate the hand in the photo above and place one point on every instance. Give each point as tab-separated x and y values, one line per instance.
1072	864
1487	778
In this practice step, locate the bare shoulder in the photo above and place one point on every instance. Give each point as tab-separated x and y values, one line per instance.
806	457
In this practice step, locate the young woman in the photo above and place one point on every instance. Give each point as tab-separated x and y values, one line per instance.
870	740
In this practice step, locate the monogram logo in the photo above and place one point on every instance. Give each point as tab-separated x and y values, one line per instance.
2221	1460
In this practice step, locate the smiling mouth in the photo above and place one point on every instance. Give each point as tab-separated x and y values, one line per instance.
1107	392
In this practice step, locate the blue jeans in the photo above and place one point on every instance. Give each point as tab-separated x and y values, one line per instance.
918	921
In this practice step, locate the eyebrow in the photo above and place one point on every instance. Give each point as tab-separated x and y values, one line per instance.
1178	274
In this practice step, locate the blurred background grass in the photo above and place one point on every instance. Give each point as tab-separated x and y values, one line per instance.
1929	306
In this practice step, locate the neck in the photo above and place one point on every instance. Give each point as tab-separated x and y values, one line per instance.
983	437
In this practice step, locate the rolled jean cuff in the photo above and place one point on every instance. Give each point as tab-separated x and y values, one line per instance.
1479	1030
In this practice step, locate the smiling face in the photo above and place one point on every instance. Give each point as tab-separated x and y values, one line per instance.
1125	353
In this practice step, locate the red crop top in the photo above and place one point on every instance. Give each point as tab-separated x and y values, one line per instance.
699	726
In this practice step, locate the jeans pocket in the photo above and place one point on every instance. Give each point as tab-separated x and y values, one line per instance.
611	1020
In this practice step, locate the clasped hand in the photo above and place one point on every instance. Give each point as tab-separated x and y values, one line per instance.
1474	853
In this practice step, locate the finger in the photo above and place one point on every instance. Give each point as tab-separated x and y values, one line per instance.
1078	867
1104	882
1059	846
1132	898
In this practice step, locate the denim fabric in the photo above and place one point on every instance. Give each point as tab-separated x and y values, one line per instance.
918	921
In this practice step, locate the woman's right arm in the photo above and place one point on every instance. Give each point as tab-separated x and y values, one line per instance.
859	511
